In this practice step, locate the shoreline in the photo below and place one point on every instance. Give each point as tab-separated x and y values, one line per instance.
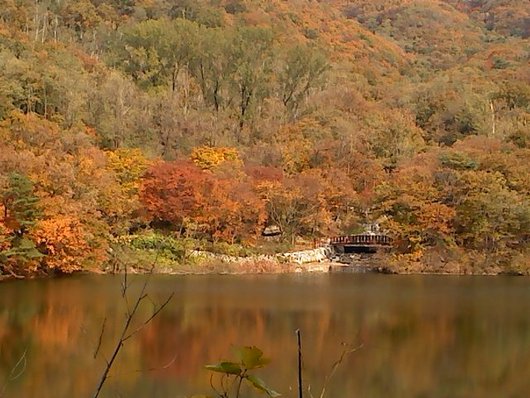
6	279
259	268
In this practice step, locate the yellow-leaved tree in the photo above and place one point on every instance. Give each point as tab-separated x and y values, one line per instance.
209	158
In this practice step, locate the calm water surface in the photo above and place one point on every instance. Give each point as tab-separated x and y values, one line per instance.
422	336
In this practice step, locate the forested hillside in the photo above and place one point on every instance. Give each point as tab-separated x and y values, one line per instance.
129	125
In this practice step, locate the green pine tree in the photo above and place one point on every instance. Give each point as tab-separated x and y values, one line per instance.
20	203
21	212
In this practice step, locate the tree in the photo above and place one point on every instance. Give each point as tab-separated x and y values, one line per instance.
489	216
201	203
212	66
154	52
234	212
297	205
414	208
295	146
175	192
394	137
302	71
63	240
20	204
118	111
120	203
81	16
252	55
129	165
20	215
209	158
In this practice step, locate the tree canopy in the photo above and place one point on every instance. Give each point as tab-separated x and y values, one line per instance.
214	120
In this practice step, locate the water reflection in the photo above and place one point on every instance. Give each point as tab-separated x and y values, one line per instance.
422	336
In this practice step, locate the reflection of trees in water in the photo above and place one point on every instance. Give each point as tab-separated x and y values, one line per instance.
458	353
208	335
409	351
420	344
59	327
50	331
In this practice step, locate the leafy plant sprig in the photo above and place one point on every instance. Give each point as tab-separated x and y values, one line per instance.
234	373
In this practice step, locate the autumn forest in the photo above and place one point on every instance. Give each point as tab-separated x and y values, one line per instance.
129	127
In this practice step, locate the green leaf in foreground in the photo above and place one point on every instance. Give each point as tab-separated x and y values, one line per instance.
260	385
251	357
225	367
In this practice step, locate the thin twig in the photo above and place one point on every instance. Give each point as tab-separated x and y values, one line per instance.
22	361
125	283
128	320
100	338
223	387
336	365
213	387
144	324
239	385
167	365
124	288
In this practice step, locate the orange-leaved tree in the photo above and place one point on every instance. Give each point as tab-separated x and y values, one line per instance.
220	206
64	241
235	211
176	193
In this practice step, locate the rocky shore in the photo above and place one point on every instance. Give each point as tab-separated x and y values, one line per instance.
321	260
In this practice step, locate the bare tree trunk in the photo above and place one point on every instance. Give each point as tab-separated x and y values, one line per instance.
186	93
36	21
44	26
55	26
493	121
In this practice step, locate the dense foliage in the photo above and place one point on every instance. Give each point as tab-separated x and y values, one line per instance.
214	119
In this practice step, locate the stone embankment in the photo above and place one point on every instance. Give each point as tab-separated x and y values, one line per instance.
205	255
311	260
299	257
317	255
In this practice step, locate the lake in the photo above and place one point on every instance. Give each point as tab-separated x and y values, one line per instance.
421	336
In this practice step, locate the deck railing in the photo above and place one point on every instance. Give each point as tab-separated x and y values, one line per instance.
362	240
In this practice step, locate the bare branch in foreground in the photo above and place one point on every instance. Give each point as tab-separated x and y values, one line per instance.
167	365
100	338
338	362
126	333
146	322
15	372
